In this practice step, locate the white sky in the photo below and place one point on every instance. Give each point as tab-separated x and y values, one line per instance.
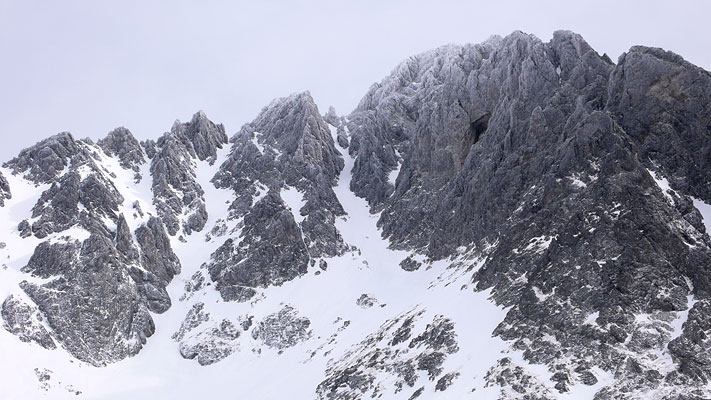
90	66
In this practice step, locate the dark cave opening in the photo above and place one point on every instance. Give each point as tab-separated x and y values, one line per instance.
479	126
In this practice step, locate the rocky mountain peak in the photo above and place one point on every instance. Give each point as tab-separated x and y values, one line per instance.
288	135
44	161
121	143
200	137
331	116
177	195
676	128
293	126
284	161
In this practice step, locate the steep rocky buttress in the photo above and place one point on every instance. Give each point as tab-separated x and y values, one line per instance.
282	169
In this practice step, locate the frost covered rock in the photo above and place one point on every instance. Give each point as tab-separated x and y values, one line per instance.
515	382
207	345
44	161
663	103
562	142
288	149
270	251
213	345
83	198
340	124
193	319
98	289
193	285
121	144
366	301
396	351
570	189
4	190
74	301
25	322
158	264
44	376
282	169
282	329
178	197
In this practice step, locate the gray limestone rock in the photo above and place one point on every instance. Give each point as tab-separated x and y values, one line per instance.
445	381
664	104
44	376
341	126
410	264
392	350
121	144
90	324
4	190
573	183
212	345
81	197
196	316
287	148
99	291
193	285
282	329
270	251
25	322
177	195
44	161
545	151
366	301
289	145
158	264
515	382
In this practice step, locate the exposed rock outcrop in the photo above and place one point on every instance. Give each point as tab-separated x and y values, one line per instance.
121	144
177	195
538	156
45	161
286	154
4	190
25	322
100	280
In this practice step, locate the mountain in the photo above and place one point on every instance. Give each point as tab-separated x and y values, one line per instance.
510	220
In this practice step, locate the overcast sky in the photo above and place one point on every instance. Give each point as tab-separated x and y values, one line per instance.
90	66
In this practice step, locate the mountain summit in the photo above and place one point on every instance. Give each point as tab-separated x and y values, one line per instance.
513	219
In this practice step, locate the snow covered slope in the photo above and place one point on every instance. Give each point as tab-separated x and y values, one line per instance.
356	296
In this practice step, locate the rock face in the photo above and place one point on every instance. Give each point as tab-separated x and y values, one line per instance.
25	322
271	251
208	346
81	197
663	103
98	279
4	190
178	197
74	300
395	349
121	144
286	154
157	261
282	329
43	162
548	159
